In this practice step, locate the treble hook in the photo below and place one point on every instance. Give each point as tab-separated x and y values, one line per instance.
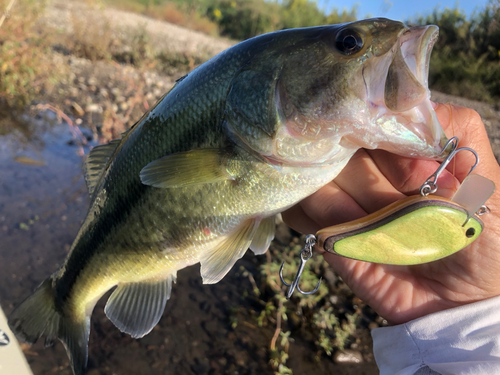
430	185
305	255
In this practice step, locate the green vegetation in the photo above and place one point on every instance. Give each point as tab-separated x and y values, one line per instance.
236	19
317	313
466	58
465	62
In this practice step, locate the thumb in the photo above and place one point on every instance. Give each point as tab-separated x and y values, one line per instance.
466	124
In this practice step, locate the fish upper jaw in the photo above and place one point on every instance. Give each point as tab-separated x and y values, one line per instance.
398	98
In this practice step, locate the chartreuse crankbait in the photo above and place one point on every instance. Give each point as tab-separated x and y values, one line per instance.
414	230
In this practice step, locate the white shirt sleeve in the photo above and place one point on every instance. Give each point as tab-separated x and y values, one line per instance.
458	341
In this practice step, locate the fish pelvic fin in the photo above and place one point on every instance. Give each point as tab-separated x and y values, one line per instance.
136	308
264	235
37	316
217	262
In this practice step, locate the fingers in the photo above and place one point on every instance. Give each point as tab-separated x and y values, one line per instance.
407	175
298	220
363	180
466	124
328	206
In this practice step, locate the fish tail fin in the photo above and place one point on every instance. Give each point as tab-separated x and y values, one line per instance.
37	316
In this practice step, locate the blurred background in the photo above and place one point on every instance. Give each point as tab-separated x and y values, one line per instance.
75	74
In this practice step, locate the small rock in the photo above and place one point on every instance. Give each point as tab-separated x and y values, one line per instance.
157	92
92	81
93	108
222	361
104	93
73	91
348	356
120	99
77	109
330	277
124	106
372	325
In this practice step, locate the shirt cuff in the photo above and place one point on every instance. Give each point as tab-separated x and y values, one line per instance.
462	340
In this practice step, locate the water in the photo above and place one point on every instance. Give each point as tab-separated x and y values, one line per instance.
41	210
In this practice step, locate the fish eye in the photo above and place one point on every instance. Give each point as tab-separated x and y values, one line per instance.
470	232
348	41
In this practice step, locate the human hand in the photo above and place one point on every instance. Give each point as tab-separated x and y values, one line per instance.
374	179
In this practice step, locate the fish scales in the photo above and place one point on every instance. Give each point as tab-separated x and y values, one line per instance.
201	176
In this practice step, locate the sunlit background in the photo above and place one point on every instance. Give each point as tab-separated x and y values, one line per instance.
401	9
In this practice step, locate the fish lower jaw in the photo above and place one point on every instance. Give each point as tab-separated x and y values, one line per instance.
415	132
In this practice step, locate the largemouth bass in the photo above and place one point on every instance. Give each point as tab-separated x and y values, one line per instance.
201	177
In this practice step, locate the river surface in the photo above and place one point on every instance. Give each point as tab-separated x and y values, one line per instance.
41	210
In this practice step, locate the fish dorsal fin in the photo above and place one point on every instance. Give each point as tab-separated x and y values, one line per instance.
186	168
96	163
264	235
217	262
135	308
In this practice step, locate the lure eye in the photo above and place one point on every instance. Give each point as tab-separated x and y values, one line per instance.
349	41
470	232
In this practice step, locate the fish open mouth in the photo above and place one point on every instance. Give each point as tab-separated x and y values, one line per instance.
400	97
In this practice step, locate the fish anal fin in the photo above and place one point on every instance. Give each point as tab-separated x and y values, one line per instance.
264	235
186	168
216	263
96	162
136	308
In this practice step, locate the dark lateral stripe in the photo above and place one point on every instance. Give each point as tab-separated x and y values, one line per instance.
91	242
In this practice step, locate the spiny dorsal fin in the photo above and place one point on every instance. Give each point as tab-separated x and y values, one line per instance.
96	162
216	263
136	308
186	168
264	235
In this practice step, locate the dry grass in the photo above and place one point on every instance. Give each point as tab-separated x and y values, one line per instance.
91	37
170	12
26	67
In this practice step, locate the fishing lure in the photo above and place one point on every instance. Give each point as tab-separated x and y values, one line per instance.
414	230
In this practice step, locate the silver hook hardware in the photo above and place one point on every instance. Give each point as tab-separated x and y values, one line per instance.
430	185
305	255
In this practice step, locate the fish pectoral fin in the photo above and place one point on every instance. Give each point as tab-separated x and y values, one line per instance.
264	235
96	163
187	168
217	262
135	308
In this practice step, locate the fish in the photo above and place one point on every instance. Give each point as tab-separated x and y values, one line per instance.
201	177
